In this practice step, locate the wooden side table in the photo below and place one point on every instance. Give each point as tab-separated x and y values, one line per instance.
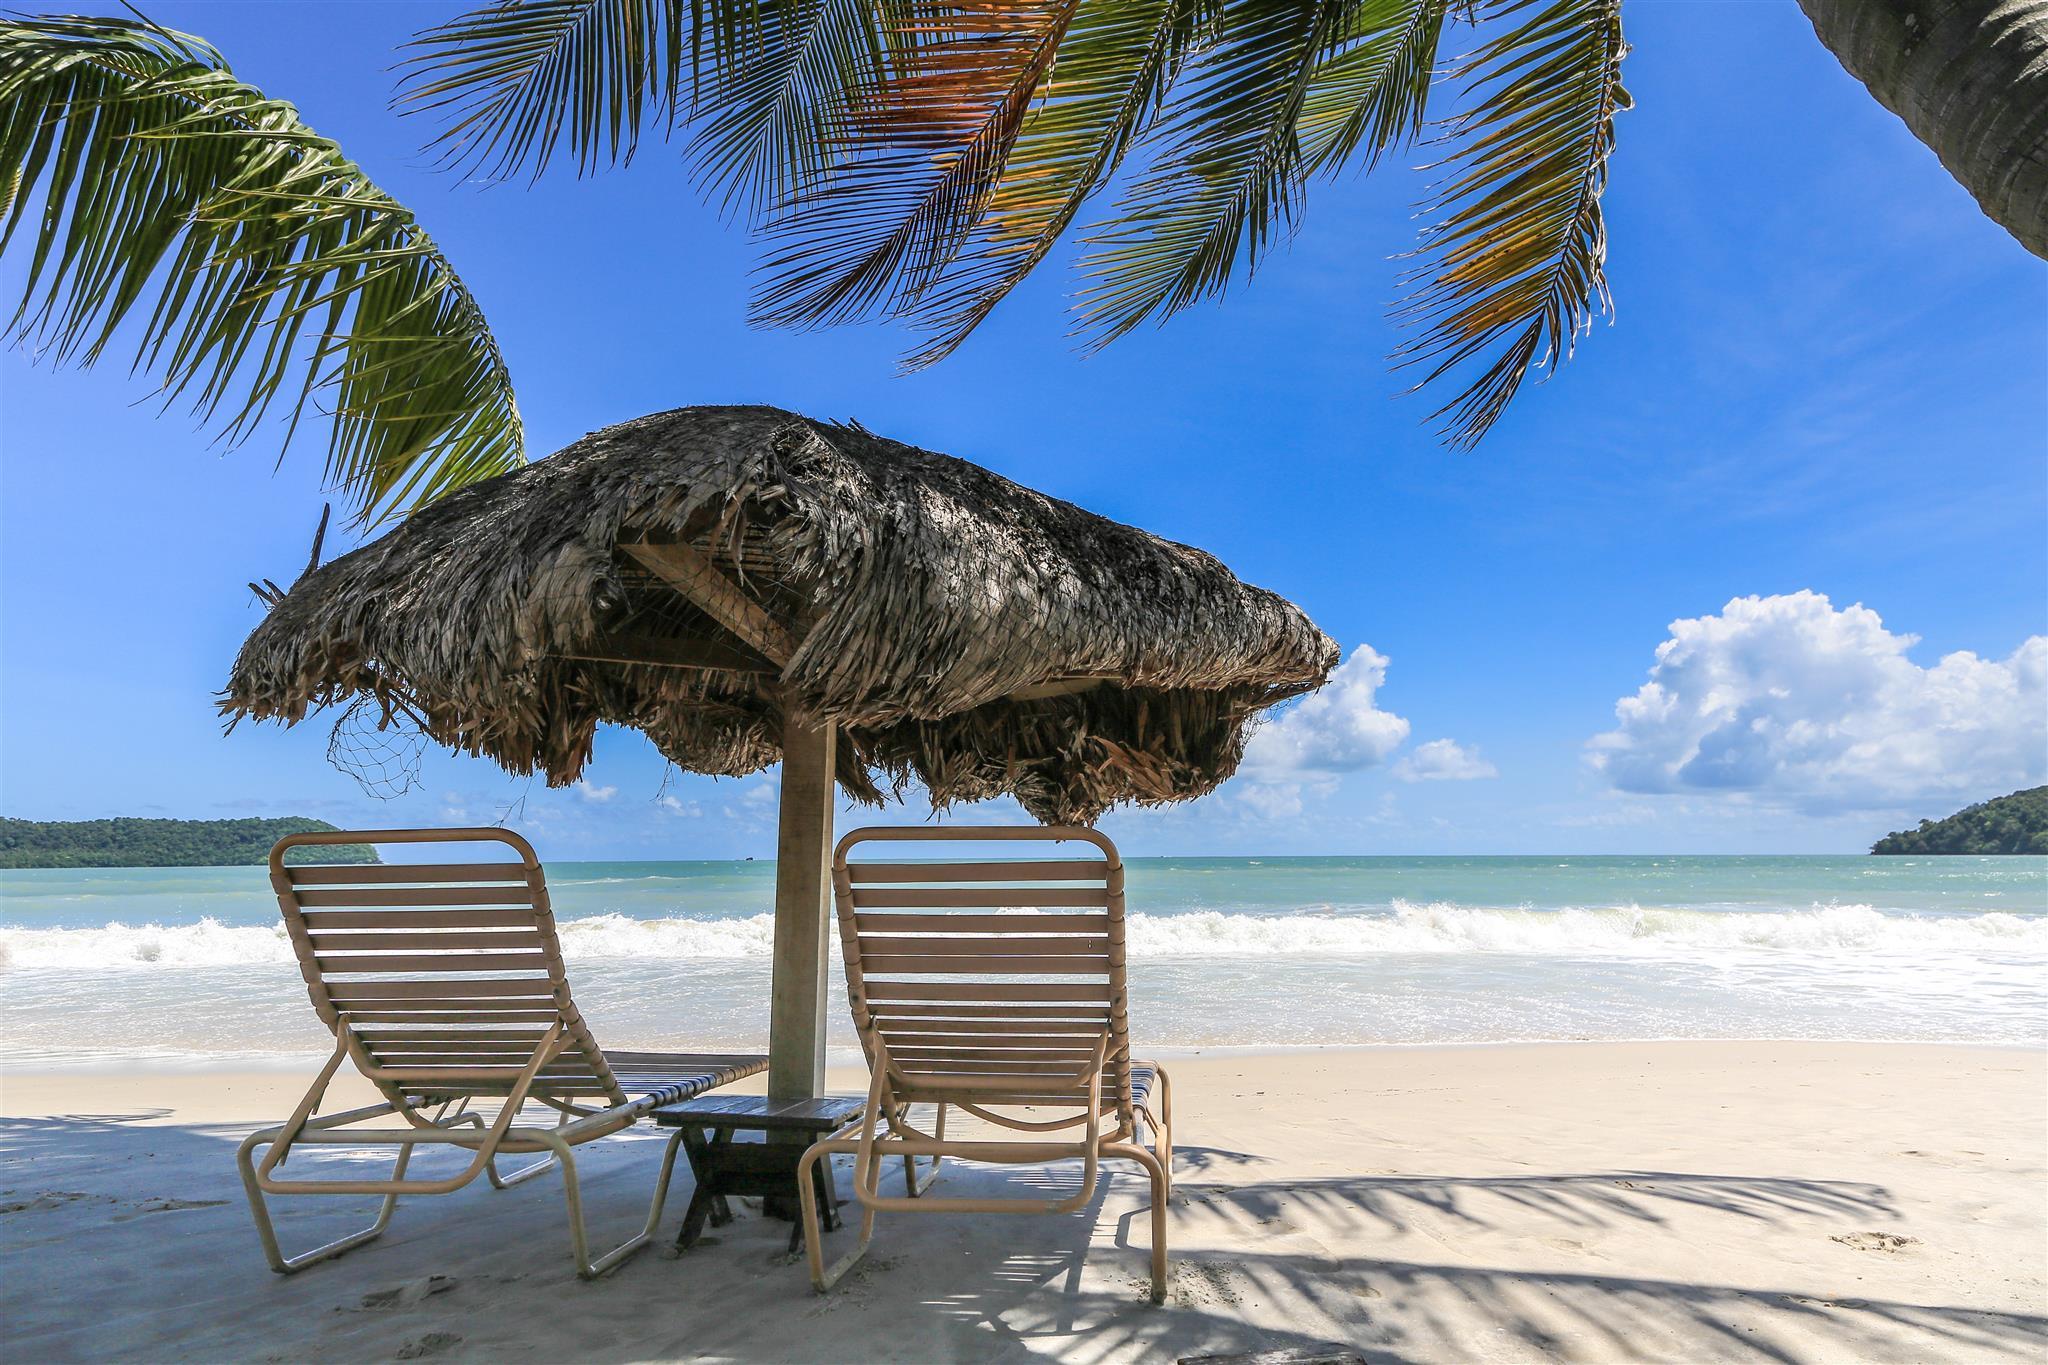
766	1169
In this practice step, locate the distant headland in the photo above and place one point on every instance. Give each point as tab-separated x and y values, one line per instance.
2007	824
164	843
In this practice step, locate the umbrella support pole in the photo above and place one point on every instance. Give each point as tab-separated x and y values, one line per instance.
803	890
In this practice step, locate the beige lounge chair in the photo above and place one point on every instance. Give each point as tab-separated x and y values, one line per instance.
1019	1019
443	985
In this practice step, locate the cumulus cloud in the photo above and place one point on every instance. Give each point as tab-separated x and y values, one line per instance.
1305	749
1789	698
1340	729
597	795
1444	760
675	805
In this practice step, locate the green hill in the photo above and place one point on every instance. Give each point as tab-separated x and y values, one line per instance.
163	843
2007	824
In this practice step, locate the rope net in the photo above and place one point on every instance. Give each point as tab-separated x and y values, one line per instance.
379	744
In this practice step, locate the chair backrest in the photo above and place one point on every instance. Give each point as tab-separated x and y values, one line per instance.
956	988
448	974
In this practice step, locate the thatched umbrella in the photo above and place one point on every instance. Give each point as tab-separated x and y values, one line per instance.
747	586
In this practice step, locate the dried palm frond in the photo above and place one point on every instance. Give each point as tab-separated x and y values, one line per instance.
963	631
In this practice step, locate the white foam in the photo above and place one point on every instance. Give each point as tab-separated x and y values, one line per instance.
1437	928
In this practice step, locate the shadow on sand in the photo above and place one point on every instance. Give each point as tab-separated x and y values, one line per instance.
125	1239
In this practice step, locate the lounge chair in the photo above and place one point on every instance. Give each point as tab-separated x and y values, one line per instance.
443	985
1019	1019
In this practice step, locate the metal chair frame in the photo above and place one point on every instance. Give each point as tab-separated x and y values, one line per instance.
989	1045
416	1014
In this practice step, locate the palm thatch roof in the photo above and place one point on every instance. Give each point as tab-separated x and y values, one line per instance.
698	574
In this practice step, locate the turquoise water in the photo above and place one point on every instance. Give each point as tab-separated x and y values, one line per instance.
111	962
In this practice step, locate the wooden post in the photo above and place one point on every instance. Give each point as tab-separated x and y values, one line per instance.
803	888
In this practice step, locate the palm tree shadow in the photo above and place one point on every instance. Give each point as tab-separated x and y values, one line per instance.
1254	1268
1393	1310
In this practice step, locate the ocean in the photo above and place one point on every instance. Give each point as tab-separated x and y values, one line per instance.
190	965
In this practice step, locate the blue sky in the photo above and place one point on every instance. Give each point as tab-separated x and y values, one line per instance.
1827	378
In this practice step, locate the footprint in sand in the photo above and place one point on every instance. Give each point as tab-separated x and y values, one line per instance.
1888	1242
405	1295
52	1199
432	1344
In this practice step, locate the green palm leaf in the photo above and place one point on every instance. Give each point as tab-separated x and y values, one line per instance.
510	79
1372	91
1288	89
917	160
1515	270
766	84
773	90
1111	72
139	169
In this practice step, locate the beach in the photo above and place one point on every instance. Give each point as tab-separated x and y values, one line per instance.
1675	1201
1474	1109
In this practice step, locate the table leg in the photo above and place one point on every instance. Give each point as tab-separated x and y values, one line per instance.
719	1170
721	1212
704	1197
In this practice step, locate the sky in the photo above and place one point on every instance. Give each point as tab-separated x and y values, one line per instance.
1763	569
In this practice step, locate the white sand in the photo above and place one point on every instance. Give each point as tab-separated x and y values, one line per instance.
1664	1201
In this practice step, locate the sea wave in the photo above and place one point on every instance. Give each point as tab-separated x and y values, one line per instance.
1435	928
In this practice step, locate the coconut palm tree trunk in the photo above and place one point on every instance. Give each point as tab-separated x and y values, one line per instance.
1970	79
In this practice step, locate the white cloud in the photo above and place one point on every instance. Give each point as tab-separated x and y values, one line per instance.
755	804
1280	800
1337	730
1306	748
677	806
1788	698
1444	760
597	795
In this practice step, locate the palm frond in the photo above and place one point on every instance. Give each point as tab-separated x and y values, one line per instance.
1372	91
773	96
918	158
139	168
1514	271
1287	88
1108	80
510	79
766	85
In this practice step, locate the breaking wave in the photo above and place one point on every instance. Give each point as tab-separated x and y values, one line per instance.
1436	928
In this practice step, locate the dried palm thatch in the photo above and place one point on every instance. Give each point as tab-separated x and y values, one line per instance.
963	631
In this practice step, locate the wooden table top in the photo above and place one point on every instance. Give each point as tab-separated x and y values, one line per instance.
821	1114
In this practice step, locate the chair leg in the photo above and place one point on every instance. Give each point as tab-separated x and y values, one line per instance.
572	1193
823	1277
1162	1131
520	1176
1161	1187
913	1184
259	1209
523	1174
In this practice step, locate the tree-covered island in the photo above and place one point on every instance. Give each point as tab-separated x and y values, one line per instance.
164	843
2007	824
